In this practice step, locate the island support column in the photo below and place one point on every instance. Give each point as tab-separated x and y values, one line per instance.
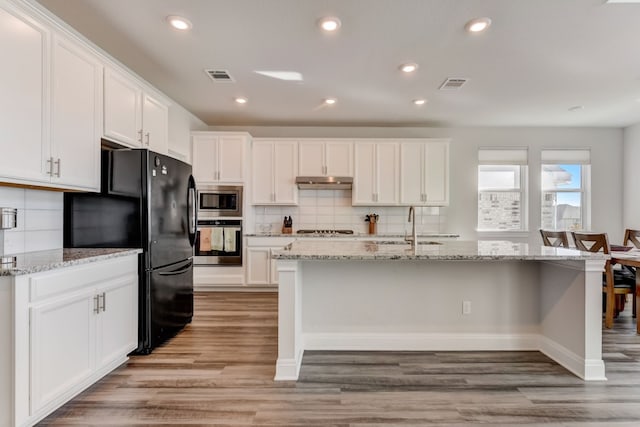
290	347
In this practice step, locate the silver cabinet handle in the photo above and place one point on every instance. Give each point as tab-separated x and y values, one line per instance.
96	304
104	301
50	168
57	162
147	135
140	136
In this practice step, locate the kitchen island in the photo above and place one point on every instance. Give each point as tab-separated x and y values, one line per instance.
376	295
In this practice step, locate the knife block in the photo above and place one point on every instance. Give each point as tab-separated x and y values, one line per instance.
373	227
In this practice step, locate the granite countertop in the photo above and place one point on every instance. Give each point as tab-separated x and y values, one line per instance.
35	262
354	235
446	250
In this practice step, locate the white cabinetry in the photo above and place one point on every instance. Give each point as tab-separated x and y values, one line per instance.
76	116
261	268
424	173
325	158
49	108
70	327
376	177
219	158
133	116
274	167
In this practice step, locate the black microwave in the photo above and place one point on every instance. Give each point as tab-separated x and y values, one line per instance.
219	200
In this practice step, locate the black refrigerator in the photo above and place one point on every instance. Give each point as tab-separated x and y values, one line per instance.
147	201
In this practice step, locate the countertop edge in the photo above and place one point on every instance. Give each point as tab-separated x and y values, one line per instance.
78	259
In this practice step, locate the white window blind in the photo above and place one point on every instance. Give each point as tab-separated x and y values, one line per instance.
555	156
502	156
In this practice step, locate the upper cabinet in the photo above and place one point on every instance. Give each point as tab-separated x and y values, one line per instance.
376	178
424	173
50	106
133	116
325	158
274	167
76	115
219	157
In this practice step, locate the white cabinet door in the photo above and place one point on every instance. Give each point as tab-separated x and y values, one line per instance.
205	157
63	346
117	322
258	266
411	173
285	167
311	158
75	116
273	267
364	190
122	109
339	158
436	173
155	124
262	171
23	98
231	155
387	174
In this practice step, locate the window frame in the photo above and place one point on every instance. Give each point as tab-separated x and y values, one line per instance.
524	205
584	190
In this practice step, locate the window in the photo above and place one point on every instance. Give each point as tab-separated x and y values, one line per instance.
502	186
565	189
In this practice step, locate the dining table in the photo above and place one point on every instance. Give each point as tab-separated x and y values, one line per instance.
630	258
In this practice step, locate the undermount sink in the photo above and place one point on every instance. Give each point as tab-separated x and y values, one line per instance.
403	242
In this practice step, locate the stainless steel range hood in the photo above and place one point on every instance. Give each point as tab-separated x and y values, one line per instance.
324	182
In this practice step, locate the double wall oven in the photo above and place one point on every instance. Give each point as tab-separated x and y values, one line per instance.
219	234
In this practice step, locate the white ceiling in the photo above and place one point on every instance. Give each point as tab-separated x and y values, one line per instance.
538	59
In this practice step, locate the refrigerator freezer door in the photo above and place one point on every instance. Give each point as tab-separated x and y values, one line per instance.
170	238
170	303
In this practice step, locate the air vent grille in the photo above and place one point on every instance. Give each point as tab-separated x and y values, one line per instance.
453	83
220	76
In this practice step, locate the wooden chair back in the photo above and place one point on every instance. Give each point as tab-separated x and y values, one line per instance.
554	238
591	242
632	236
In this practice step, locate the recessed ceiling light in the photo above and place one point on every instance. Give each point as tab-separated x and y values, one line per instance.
329	23
419	101
576	108
477	25
179	23
409	67
241	100
282	75
330	101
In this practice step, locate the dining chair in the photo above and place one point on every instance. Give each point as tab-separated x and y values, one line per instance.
615	285
554	238
632	236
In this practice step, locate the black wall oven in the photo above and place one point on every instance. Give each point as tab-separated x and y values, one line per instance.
219	201
218	242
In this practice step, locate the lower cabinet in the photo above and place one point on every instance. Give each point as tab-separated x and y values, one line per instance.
261	267
78	323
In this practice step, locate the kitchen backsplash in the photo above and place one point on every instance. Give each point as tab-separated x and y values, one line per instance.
331	209
39	223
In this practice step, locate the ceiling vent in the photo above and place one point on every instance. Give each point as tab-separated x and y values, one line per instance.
220	76
453	83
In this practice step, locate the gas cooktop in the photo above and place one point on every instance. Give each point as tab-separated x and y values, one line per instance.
324	231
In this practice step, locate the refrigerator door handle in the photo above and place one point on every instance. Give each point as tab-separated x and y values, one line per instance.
176	272
193	220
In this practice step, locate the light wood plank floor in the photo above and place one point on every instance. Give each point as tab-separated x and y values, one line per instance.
219	372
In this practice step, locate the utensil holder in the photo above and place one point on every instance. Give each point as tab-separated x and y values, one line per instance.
373	227
8	218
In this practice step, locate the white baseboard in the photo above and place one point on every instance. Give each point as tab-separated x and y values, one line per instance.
588	370
288	369
420	341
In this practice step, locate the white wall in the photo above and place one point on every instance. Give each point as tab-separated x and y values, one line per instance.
631	195
40	220
606	146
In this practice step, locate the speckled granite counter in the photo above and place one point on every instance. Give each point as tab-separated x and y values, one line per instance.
35	262
355	235
426	250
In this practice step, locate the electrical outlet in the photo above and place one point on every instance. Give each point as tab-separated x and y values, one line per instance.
466	307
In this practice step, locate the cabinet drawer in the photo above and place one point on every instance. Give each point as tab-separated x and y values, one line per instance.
52	283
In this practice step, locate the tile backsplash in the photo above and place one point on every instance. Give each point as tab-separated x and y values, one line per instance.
39	223
331	209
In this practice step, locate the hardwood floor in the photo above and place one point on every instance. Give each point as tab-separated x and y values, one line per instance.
219	372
